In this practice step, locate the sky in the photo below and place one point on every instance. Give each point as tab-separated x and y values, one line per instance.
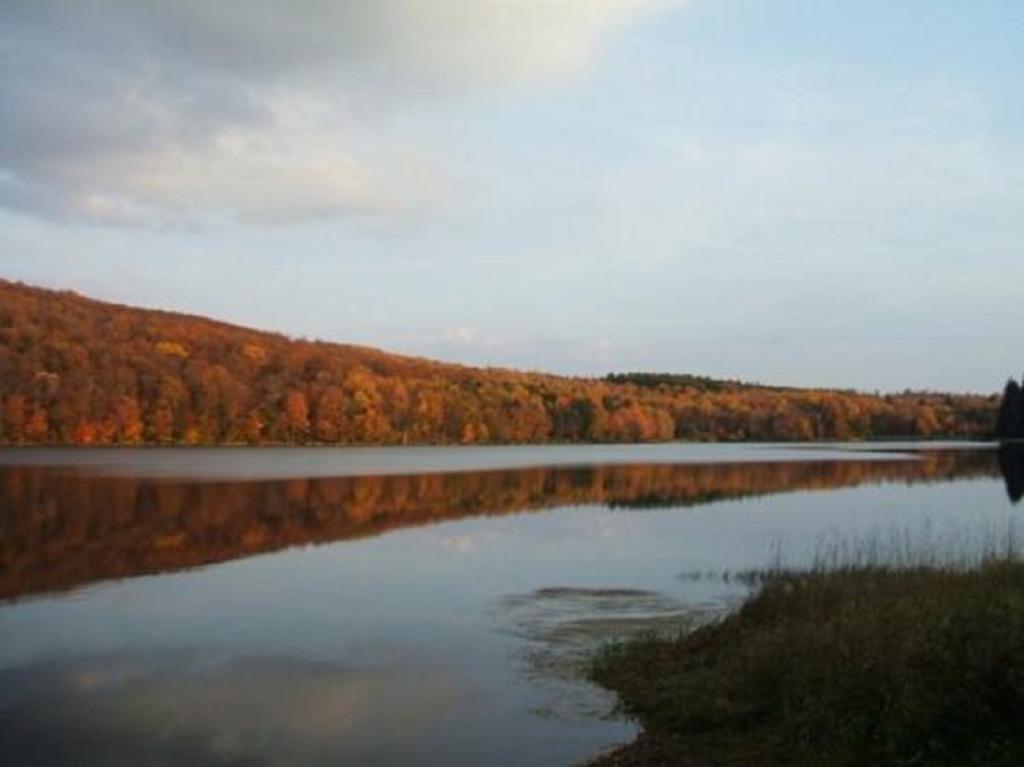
816	193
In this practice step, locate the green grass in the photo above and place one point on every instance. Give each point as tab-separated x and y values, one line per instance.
863	664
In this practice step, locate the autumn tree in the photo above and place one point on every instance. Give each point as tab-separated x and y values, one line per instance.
329	423
296	413
14	417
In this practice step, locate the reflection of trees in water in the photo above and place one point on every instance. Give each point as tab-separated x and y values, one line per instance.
61	529
1011	464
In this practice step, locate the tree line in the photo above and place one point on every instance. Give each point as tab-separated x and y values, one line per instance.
78	371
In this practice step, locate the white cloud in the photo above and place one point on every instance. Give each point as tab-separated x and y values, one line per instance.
461	334
261	110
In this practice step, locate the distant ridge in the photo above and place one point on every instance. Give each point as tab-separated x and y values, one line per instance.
74	370
688	381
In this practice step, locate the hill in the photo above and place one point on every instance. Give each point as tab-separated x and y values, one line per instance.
79	371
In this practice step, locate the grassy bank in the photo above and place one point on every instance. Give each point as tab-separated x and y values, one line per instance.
857	665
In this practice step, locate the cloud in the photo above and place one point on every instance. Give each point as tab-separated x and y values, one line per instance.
462	334
261	110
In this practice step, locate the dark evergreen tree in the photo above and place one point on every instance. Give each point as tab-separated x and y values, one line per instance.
1010	423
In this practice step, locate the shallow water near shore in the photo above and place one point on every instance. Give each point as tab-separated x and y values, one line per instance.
407	605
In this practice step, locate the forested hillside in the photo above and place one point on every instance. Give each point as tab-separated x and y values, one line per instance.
78	371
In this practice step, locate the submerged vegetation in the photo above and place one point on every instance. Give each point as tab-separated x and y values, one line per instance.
877	664
77	371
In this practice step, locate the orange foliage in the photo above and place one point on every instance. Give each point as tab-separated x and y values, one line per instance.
76	371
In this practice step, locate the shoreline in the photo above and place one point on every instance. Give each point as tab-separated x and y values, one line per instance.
840	665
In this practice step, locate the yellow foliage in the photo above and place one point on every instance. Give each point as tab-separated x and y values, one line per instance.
171	349
255	352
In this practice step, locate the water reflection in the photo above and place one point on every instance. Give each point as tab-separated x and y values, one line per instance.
192	709
61	529
1011	463
455	643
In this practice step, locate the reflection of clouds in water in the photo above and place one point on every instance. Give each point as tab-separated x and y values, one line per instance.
188	709
561	627
463	544
607	526
475	542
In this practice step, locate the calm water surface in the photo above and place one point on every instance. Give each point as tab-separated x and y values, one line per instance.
406	606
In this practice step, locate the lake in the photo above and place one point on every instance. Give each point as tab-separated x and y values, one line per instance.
410	606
